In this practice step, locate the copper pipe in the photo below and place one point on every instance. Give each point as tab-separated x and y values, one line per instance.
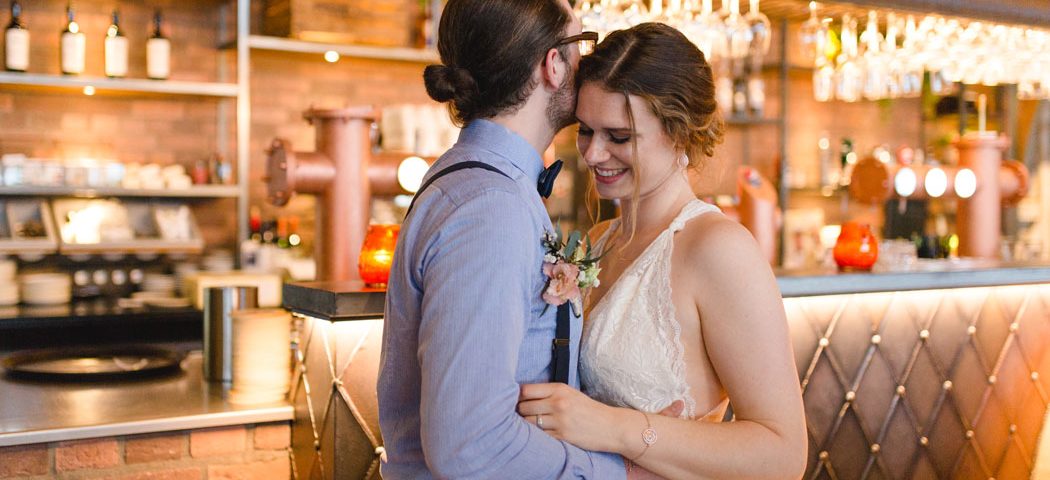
337	173
978	217
344	208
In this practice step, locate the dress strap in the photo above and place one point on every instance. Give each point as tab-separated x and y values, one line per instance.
691	210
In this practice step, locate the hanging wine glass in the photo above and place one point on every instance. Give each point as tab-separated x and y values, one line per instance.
809	37
738	34
871	62
894	69
761	36
624	14
910	58
706	30
824	74
590	14
849	78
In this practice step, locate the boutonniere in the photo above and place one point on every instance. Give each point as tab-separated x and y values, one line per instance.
569	267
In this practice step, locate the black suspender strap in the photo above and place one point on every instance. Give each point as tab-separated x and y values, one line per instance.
560	347
453	168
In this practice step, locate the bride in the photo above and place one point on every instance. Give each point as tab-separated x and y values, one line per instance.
688	315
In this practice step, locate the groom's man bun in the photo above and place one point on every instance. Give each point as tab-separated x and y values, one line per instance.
489	49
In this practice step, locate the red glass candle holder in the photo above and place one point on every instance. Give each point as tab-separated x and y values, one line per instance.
856	248
377	254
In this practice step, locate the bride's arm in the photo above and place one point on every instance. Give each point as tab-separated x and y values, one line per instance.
746	337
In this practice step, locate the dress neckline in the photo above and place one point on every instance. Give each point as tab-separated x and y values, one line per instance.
686	213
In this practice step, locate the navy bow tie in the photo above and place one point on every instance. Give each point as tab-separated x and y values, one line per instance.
547	176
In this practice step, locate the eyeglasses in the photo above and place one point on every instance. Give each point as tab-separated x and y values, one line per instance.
585	41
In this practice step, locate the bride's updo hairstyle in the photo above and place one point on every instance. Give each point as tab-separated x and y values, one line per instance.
489	49
660	65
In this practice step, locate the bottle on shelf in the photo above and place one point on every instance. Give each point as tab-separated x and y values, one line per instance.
116	49
282	232
158	52
73	43
16	41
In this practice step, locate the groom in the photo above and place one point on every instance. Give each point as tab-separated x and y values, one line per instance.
465	322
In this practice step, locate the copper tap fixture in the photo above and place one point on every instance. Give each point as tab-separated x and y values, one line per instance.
999	182
344	174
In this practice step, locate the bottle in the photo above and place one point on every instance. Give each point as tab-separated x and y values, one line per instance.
847	157
72	45
116	47
16	41
282	232
830	169
158	52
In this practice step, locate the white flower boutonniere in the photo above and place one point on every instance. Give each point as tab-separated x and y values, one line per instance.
569	268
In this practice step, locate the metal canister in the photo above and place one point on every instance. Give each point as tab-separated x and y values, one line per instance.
219	303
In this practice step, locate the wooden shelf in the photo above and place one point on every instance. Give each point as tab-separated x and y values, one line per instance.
201	191
279	44
743	120
117	85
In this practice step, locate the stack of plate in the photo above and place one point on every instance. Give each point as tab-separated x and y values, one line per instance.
261	358
218	261
8	285
159	283
46	288
183	270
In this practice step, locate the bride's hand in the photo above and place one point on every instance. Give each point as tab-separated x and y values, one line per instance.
567	414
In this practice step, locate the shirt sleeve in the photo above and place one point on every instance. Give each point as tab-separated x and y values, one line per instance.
477	277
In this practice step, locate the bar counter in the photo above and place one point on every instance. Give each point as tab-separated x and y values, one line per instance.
939	371
37	412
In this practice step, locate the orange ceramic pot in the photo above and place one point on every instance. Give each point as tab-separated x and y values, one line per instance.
377	254
856	248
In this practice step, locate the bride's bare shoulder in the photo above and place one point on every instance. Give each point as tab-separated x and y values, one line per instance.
714	240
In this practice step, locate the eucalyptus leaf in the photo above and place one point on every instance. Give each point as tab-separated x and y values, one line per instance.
571	244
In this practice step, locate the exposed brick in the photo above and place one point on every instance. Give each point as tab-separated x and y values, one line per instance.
95	453
217	441
278	469
273	436
24	460
153	448
193	473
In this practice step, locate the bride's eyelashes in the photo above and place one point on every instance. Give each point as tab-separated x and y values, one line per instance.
587	132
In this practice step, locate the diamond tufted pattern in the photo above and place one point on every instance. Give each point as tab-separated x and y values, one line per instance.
923	384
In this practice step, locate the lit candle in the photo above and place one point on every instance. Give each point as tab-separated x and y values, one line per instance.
377	254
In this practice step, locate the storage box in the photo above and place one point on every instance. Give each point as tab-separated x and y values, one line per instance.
390	23
26	227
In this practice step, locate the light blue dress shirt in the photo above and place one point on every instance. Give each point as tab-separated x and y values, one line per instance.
465	325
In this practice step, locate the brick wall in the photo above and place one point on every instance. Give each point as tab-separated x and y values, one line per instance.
255	452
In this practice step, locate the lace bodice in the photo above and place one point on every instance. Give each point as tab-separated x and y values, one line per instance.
631	353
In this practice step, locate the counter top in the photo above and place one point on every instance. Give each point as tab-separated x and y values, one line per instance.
338	301
35	412
925	275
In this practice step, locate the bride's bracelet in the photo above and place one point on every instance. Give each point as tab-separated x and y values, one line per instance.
648	438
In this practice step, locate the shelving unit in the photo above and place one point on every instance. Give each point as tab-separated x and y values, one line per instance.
200	191
118	85
262	42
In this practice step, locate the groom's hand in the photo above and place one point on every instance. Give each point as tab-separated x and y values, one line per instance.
674	410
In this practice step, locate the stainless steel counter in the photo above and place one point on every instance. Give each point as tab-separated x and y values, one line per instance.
926	275
35	412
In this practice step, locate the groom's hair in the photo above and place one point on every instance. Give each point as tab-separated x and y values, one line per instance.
489	49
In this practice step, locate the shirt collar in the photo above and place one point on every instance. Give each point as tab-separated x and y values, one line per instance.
500	140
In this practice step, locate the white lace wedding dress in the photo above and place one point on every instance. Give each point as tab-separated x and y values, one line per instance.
631	353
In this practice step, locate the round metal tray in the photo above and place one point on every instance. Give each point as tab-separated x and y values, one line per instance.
92	363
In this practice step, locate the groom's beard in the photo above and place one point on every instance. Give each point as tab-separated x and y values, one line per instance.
561	109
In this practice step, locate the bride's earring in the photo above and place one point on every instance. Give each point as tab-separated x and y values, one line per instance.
683	161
